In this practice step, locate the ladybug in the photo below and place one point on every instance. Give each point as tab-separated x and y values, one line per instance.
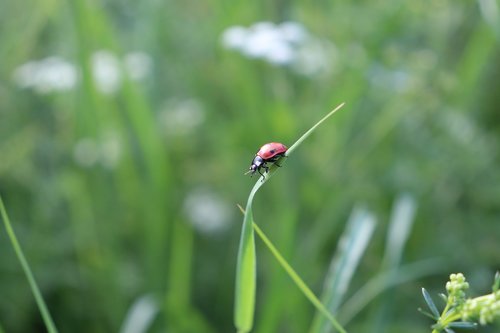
268	153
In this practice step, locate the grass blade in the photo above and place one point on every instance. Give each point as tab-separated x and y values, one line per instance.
312	129
140	316
298	281
496	284
244	306
398	232
383	281
402	218
47	319
351	248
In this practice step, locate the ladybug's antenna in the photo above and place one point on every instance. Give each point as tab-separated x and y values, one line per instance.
246	173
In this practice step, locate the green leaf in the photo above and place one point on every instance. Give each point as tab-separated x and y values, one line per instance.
425	313
49	324
463	324
443	297
430	303
496	283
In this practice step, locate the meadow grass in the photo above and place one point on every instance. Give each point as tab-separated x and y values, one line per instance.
49	323
97	183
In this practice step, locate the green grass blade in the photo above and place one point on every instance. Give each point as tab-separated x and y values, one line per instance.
246	272
402	218
141	315
398	232
351	248
298	281
383	281
244	306
312	129
49	324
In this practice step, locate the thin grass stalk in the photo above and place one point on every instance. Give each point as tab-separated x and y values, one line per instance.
298	281
47	319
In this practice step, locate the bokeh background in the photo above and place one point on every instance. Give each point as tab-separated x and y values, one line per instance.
126	127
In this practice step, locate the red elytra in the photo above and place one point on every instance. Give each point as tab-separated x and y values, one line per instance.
268	153
269	150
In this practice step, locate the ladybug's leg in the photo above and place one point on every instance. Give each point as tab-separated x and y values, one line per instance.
276	163
261	172
265	167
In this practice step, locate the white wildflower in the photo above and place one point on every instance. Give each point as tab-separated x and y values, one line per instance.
207	211
138	64
52	74
181	117
106	71
287	44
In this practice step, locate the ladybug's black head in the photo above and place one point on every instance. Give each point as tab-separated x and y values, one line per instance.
256	164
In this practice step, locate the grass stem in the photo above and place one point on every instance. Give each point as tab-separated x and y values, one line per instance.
298	281
49	324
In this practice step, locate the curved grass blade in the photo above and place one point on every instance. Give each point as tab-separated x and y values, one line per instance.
384	281
244	306
298	281
400	225
246	272
399	229
496	283
350	250
47	319
140	316
312	129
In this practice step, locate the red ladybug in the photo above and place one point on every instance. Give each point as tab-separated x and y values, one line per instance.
268	153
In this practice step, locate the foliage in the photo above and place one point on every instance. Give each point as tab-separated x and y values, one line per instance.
126	126
462	312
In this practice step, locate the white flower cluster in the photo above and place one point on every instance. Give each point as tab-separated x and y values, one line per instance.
207	211
485	308
286	44
181	117
47	75
456	288
55	74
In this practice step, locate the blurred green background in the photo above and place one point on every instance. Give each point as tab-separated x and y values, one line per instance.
126	127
